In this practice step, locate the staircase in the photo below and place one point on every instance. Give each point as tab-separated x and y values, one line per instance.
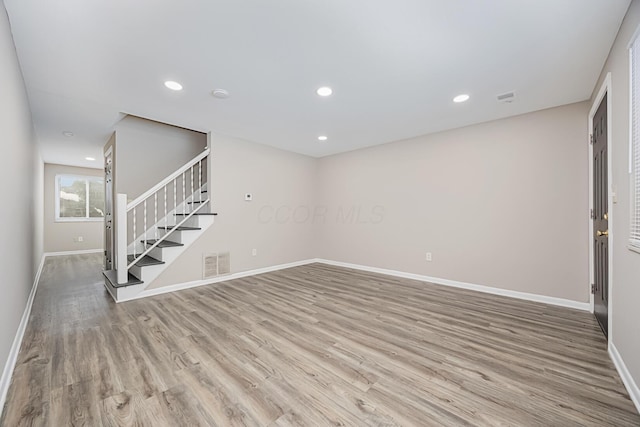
155	228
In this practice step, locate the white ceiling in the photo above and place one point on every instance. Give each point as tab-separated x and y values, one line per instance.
394	66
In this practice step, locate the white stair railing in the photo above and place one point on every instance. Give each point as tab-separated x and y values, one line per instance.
182	186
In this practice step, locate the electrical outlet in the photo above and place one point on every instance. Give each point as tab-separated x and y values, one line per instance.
80	239
428	256
254	252
248	197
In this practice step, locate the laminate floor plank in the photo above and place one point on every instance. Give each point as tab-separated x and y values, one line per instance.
315	345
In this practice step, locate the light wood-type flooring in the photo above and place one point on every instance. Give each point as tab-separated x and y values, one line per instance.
314	345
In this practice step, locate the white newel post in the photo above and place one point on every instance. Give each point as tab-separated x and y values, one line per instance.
121	238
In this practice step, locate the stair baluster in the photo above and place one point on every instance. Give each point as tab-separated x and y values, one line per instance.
149	240
192	190
145	225
155	215
135	252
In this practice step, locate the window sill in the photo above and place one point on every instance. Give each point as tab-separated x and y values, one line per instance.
79	220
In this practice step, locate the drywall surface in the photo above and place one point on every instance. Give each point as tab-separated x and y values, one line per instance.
501	204
278	222
20	246
146	152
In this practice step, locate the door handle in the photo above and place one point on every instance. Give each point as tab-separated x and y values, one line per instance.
602	233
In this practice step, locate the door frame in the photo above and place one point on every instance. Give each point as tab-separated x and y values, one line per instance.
605	89
106	154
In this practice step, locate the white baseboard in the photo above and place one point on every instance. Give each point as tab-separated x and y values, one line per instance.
480	288
7	372
584	306
80	252
108	288
627	379
196	283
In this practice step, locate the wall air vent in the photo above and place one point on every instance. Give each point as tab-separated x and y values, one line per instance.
506	98
209	266
224	263
214	265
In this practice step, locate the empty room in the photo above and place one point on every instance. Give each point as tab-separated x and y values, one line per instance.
335	213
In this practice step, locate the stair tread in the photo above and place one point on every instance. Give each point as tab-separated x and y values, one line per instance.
197	213
181	228
204	191
197	201
112	277
163	244
145	261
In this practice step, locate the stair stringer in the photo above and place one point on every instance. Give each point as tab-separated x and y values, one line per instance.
149	273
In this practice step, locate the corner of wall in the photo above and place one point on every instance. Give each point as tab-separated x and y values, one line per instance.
38	210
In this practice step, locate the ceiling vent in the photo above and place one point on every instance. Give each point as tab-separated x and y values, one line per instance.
506	98
220	93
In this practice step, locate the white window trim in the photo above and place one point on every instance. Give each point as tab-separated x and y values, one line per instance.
87	178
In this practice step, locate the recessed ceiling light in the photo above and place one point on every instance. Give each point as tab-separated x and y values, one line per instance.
322	138
220	93
91	159
67	133
324	91
461	98
173	85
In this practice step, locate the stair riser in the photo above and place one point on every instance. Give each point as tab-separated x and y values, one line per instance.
194	221
160	253
166	254
147	273
177	236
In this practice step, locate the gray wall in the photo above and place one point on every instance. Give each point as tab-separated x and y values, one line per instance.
59	236
625	302
21	242
500	204
280	181
147	152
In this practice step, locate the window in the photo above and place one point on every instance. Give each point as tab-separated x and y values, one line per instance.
634	147
79	198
